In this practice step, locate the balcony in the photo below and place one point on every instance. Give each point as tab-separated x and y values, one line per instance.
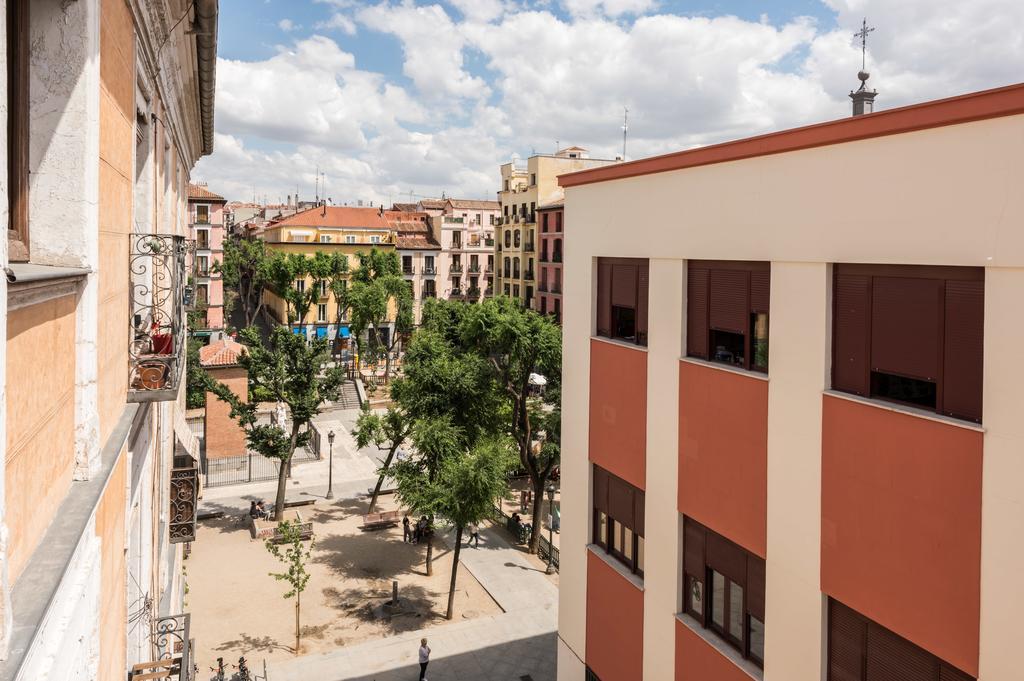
456	293
489	292
489	243
557	288
474	268
528	276
429	269
408	269
158	276
184	499
430	294
171	641
530	246
455	268
543	287
453	221
557	257
544	257
473	293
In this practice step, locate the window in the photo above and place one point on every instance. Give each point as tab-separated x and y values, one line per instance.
350	239
203	294
324	290
428	264
300	285
558	312
859	650
492	219
544	222
508	266
203	264
18	33
910	334
202	238
515	291
533	179
407	264
456	283
508	238
543	304
727	312
507	289
619	519
515	267
622	299
533	211
506	185
479	218
518	238
375	239
490	262
325	238
202	214
723	589
321	313
558	221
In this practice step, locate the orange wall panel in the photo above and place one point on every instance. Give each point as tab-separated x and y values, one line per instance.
615	624
901	524
723	453
696	660
618	410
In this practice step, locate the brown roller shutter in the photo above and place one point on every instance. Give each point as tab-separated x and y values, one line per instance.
624	285
964	348
604	298
905	326
729	301
851	319
947	673
760	290
727	558
892	658
600	489
755	586
697	312
694	537
847	643
639	512
620	501
643	287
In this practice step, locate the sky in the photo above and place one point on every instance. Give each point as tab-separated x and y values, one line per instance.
397	100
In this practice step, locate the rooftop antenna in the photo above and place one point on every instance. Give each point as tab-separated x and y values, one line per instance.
557	143
625	129
863	35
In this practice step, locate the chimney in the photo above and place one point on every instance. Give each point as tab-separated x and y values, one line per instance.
863	99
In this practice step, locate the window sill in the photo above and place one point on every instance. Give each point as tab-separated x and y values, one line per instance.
903	409
758	375
636	581
723	648
621	343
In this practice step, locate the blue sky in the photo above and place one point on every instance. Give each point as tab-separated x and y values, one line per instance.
418	98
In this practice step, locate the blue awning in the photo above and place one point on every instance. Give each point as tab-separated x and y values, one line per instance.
321	332
344	332
299	331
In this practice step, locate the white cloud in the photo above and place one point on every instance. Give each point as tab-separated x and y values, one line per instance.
340	22
687	81
287	25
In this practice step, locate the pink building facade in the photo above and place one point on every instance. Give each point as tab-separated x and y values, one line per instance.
206	227
549	288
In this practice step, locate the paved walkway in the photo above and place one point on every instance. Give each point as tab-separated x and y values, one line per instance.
518	643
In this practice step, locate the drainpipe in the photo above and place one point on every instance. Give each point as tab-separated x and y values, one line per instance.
206	58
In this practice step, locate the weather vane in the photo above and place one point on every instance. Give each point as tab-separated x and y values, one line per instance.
863	35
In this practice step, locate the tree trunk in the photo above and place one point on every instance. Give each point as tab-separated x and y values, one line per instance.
455	572
430	550
298	631
538	508
380	480
282	475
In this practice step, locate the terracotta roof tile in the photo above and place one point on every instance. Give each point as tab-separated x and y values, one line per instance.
404	207
336	216
473	204
416	242
220	353
436	204
199	191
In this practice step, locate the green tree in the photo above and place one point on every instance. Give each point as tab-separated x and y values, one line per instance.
195	382
390	429
519	343
245	271
459	487
375	285
287	369
295	555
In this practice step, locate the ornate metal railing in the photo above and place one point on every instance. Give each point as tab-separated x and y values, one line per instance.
158	278
184	499
171	641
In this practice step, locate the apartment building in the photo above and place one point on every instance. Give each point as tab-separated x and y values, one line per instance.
551	239
795	450
98	478
525	186
465	230
326	229
208	229
419	252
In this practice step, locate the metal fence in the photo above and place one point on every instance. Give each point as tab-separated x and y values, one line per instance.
233	470
520	532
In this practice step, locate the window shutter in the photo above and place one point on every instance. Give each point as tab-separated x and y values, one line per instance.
755	586
852	304
643	287
905	330
639	512
600	489
727	558
620	500
693	548
760	290
847	643
604	298
892	657
947	673
730	301
964	349
624	285
697	312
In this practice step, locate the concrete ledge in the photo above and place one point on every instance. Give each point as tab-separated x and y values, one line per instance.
616	565
33	594
720	646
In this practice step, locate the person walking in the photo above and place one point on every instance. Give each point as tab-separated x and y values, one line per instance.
424	658
474	535
406	532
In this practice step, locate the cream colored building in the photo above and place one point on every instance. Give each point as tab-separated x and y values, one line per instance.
98	476
525	187
793	448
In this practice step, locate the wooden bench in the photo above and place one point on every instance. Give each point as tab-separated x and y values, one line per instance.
268	529
376	521
300	502
141	671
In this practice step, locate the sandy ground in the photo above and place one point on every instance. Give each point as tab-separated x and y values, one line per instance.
238	609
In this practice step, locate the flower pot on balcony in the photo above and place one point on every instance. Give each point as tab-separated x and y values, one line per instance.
150	375
163	343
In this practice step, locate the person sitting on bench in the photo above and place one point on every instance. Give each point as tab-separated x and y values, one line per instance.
258	511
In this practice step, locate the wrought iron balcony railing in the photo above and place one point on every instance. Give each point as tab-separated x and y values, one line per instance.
156	352
429	269
171	641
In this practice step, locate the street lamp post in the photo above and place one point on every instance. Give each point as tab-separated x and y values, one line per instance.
330	469
551	524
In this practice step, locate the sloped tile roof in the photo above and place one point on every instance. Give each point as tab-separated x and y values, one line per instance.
473	204
336	216
199	191
220	353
